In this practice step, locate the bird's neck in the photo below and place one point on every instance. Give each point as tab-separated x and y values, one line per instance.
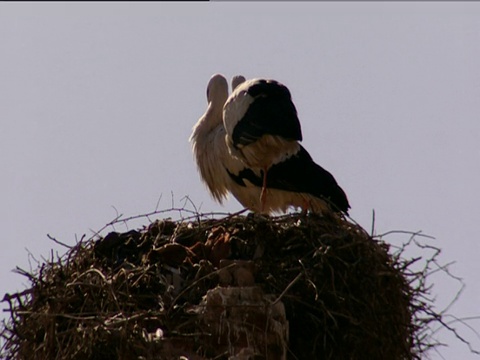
212	118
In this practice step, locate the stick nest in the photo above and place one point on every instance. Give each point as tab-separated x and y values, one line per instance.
132	295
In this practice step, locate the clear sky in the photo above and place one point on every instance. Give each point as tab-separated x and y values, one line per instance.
97	102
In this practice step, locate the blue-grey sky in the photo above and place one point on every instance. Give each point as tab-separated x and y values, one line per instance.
97	102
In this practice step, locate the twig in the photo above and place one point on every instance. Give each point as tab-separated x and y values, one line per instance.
59	242
414	233
286	289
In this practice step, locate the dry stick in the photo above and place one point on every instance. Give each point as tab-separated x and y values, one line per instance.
55	315
439	318
414	233
286	289
428	309
59	242
105	280
158	202
373	223
194	214
463	321
275	302
196	282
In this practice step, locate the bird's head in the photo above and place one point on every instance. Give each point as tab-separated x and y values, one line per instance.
237	80
217	90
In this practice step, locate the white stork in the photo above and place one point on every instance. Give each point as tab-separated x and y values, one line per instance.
216	166
263	131
223	173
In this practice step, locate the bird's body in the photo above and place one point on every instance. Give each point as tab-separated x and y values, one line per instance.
263	131
294	180
261	123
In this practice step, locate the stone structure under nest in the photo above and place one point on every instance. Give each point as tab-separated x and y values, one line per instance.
299	286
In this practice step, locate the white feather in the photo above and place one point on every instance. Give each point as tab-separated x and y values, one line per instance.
211	152
236	106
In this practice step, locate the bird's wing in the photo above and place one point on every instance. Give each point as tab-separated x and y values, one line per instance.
246	174
301	174
264	107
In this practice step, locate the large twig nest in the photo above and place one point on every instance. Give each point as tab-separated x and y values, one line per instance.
141	294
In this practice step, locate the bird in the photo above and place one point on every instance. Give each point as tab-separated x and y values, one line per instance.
263	131
261	123
218	169
224	173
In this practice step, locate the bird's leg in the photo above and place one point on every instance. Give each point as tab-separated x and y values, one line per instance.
305	206
263	194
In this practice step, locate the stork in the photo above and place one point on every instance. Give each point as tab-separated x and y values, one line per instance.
224	173
263	131
218	169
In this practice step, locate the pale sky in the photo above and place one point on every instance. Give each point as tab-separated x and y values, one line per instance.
97	102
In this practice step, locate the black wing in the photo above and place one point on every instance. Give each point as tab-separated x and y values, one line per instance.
300	173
